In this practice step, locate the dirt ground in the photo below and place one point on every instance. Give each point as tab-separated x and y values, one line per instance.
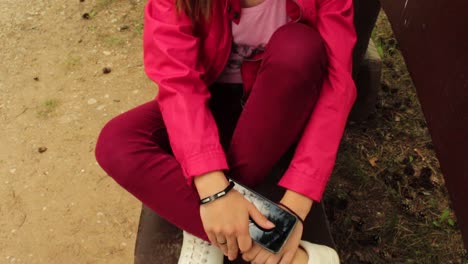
58	206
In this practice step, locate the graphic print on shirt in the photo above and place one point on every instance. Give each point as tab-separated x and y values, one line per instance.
240	52
251	35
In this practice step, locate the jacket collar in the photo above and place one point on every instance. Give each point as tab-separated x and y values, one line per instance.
233	10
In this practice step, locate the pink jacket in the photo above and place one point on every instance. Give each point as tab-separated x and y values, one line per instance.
184	61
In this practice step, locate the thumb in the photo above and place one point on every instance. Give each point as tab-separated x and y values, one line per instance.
259	218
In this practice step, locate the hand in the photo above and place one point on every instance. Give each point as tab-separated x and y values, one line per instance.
227	219
301	205
259	255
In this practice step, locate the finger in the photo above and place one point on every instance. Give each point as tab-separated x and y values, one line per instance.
273	259
259	218
261	257
222	243
244	240
245	243
287	257
252	253
212	238
232	247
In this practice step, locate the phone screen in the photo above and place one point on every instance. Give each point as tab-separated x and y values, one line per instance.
271	239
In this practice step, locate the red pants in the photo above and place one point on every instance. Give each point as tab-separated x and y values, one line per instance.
133	148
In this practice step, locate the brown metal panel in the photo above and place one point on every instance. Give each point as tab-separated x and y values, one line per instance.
433	37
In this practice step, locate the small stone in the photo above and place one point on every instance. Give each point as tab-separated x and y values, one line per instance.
99	108
106	96
135	91
124	27
13	230
36	79
44	208
86	16
123	244
13	170
107	53
116	100
397	118
42	149
92	101
106	70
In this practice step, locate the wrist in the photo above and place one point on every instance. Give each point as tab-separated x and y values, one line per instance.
209	183
297	202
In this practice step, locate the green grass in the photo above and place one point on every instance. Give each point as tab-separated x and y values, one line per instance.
114	41
139	28
101	4
47	108
72	61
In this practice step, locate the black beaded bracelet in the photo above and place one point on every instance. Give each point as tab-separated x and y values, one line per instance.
292	212
218	195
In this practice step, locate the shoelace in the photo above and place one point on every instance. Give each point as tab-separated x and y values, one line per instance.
199	251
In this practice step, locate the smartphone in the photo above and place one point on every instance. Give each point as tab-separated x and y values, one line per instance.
273	239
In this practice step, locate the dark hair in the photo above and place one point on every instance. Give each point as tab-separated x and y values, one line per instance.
196	10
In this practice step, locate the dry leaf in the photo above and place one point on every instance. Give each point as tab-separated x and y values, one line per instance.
373	161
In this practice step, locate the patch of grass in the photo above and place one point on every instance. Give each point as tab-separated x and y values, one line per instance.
92	14
101	4
139	28
444	218
92	28
72	61
114	41
47	108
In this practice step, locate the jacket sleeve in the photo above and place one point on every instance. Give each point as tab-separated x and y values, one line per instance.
171	53
315	154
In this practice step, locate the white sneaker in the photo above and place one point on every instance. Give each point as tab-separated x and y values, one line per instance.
197	251
319	254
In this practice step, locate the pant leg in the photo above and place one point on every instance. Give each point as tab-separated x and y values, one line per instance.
133	148
282	98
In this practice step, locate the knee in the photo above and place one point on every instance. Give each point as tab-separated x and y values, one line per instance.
109	149
298	48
